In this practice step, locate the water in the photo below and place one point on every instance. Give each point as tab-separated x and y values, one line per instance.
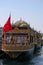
37	59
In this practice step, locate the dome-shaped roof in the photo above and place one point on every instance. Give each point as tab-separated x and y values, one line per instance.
21	23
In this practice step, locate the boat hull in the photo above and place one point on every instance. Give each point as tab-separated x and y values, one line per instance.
21	54
17	51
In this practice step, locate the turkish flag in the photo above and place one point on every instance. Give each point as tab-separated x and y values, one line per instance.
7	27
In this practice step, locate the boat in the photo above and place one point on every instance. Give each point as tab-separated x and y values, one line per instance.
37	40
18	40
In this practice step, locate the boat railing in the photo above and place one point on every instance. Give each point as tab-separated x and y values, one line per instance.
9	47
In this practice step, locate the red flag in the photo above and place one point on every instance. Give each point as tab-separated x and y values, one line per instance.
7	25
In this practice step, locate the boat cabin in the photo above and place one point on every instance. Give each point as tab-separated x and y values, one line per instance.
19	38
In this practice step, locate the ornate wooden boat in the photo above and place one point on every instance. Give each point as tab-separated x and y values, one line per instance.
18	40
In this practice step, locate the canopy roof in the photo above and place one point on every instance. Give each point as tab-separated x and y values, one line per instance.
21	23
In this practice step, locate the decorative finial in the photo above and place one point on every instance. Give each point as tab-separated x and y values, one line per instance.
20	19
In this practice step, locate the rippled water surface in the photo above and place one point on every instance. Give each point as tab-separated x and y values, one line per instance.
37	59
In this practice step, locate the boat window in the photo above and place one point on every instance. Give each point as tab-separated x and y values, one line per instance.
8	34
21	39
19	34
22	28
8	39
31	39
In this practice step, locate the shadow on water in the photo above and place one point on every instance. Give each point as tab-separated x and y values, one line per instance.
36	59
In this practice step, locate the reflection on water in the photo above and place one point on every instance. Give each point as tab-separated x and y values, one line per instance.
37	59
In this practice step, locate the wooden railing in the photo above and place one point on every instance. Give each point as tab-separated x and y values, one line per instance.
9	47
